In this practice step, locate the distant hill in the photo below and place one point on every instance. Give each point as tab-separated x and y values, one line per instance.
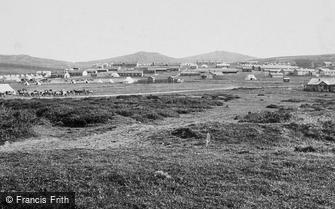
29	64
225	56
140	57
305	61
150	57
33	61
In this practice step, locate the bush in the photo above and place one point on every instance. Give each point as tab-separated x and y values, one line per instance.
273	106
15	124
267	117
325	132
305	149
74	121
292	100
83	112
185	133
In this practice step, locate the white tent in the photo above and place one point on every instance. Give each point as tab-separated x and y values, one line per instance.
6	88
129	80
115	75
251	77
110	81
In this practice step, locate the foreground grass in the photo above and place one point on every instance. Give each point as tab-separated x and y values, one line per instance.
255	164
201	178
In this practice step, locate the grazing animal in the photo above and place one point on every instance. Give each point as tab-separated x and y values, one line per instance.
208	139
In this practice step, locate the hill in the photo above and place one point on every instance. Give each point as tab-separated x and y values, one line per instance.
305	61
140	57
218	56
29	64
33	61
149	57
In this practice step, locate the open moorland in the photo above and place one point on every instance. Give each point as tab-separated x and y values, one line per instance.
191	84
270	145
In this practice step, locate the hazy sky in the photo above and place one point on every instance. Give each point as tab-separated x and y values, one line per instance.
78	30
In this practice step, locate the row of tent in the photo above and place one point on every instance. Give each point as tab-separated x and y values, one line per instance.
128	80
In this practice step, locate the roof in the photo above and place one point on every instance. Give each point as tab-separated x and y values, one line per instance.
325	69
317	81
130	71
216	73
279	66
305	69
76	71
229	70
6	87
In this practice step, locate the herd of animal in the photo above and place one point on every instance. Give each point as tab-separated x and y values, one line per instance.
50	92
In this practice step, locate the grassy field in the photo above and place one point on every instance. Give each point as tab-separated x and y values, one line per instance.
270	148
191	83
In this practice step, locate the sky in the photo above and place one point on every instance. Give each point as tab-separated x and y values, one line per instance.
82	30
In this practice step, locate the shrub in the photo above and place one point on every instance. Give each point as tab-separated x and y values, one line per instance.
305	149
125	112
15	124
74	121
185	133
272	106
82	112
267	117
292	100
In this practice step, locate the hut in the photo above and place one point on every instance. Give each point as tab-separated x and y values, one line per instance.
217	75
222	65
286	79
247	68
276	75
175	79
321	85
131	73
228	70
151	79
77	73
326	72
304	72
190	73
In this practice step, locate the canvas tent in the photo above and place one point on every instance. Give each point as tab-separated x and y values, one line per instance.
115	75
6	88
251	77
129	80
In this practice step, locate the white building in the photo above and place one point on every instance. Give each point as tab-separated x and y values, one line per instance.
326	72
304	72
